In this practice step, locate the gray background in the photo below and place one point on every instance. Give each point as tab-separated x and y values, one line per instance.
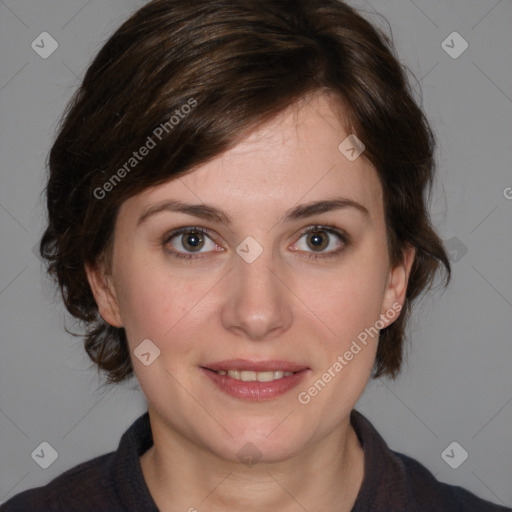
456	384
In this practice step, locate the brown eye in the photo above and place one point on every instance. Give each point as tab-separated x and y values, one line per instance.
317	240
322	241
184	242
192	241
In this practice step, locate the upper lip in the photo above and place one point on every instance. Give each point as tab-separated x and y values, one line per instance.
256	366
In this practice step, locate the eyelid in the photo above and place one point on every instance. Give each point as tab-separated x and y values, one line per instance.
328	228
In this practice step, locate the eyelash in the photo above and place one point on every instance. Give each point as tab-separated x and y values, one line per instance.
344	238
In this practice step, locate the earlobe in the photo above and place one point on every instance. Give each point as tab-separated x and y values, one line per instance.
104	293
398	279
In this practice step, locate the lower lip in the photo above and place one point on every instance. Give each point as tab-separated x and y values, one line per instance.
255	390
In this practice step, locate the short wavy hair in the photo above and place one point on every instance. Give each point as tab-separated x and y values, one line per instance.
243	62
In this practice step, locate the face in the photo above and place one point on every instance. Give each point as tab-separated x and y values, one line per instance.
258	282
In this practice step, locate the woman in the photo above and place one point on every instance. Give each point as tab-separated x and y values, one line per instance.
237	213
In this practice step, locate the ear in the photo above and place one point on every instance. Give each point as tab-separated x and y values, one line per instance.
102	288
396	286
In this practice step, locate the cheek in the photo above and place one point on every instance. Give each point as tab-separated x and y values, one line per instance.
161	306
349	305
147	308
350	299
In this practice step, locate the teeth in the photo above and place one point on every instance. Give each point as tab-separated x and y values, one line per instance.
250	376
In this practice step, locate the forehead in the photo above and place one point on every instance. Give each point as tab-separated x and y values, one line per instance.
291	159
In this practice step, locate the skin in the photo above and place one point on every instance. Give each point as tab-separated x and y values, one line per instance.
281	306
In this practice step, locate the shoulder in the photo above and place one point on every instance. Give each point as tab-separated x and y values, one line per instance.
431	494
112	482
395	481
85	485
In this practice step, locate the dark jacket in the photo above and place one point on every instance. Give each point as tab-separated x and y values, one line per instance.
114	482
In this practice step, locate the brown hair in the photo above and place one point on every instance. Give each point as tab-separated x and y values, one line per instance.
241	62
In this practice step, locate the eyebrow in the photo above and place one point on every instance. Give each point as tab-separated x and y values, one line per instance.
211	213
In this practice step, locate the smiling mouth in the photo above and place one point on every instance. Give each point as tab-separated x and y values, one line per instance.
255	380
252	376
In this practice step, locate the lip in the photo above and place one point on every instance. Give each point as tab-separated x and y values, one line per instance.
254	390
255	366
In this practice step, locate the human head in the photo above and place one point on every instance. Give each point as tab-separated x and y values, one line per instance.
194	79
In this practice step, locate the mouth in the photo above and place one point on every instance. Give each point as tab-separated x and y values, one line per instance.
251	376
255	380
252	371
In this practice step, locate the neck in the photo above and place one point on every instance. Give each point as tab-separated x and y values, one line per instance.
182	476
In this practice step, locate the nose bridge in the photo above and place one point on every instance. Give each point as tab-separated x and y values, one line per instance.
256	303
254	267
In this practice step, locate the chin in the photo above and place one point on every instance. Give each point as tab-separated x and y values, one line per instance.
266	441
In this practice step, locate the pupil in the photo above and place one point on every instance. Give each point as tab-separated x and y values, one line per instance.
317	241
193	240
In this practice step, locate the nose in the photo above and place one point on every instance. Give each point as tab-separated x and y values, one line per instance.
258	301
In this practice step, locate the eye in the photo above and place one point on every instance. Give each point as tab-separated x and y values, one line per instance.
320	238
190	240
